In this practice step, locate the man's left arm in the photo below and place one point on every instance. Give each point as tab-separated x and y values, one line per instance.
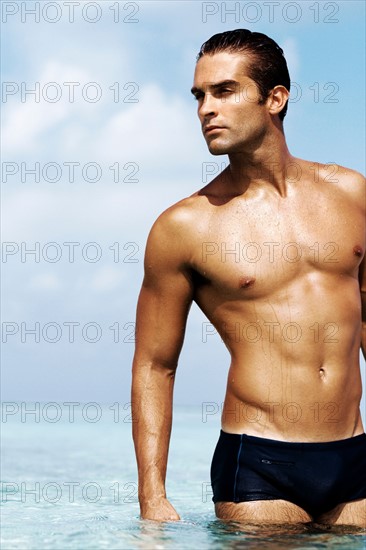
362	279
356	185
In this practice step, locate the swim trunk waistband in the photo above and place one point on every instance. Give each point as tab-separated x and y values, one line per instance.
316	445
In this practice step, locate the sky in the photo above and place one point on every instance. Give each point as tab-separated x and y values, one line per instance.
99	136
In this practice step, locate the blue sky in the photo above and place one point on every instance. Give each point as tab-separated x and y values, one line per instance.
144	124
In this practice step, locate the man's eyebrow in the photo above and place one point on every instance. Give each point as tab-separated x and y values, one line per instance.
215	86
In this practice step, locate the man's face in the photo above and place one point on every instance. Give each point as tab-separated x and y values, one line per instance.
232	119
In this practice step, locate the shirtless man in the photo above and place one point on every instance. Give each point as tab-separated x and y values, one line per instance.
272	252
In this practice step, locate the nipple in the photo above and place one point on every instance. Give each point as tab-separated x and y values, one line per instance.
246	282
357	250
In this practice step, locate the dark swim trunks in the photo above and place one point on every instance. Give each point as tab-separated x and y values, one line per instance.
315	476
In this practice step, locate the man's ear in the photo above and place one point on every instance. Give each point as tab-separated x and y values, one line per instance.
277	99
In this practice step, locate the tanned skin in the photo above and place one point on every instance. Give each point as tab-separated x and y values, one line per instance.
272	252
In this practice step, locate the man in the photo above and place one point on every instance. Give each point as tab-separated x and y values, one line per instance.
272	252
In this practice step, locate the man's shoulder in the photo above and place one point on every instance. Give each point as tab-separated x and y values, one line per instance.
349	182
345	175
183	214
174	231
332	174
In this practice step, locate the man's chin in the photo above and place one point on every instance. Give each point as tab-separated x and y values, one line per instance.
217	149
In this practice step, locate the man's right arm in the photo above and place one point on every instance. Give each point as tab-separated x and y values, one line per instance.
162	310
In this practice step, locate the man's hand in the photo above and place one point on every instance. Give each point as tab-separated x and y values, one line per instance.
159	509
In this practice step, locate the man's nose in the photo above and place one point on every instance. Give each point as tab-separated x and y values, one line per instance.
208	106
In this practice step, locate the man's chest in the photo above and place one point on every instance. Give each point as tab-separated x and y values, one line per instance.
257	249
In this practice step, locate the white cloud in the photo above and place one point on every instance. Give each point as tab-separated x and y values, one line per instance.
45	281
107	279
26	123
160	129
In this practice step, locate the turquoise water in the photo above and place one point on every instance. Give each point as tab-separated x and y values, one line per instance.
69	482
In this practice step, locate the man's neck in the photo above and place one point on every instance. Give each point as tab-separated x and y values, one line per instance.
265	167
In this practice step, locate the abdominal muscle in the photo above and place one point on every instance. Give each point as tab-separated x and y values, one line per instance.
294	378
316	410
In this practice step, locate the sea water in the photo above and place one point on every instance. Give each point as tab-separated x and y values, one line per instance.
69	481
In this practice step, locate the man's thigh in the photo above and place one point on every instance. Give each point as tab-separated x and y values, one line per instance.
350	513
262	511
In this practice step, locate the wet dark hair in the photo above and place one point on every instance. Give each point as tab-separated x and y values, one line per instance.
267	67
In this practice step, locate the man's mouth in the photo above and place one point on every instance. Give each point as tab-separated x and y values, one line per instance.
211	128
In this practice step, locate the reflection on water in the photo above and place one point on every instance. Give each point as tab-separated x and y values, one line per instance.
102	455
216	534
82	526
274	536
